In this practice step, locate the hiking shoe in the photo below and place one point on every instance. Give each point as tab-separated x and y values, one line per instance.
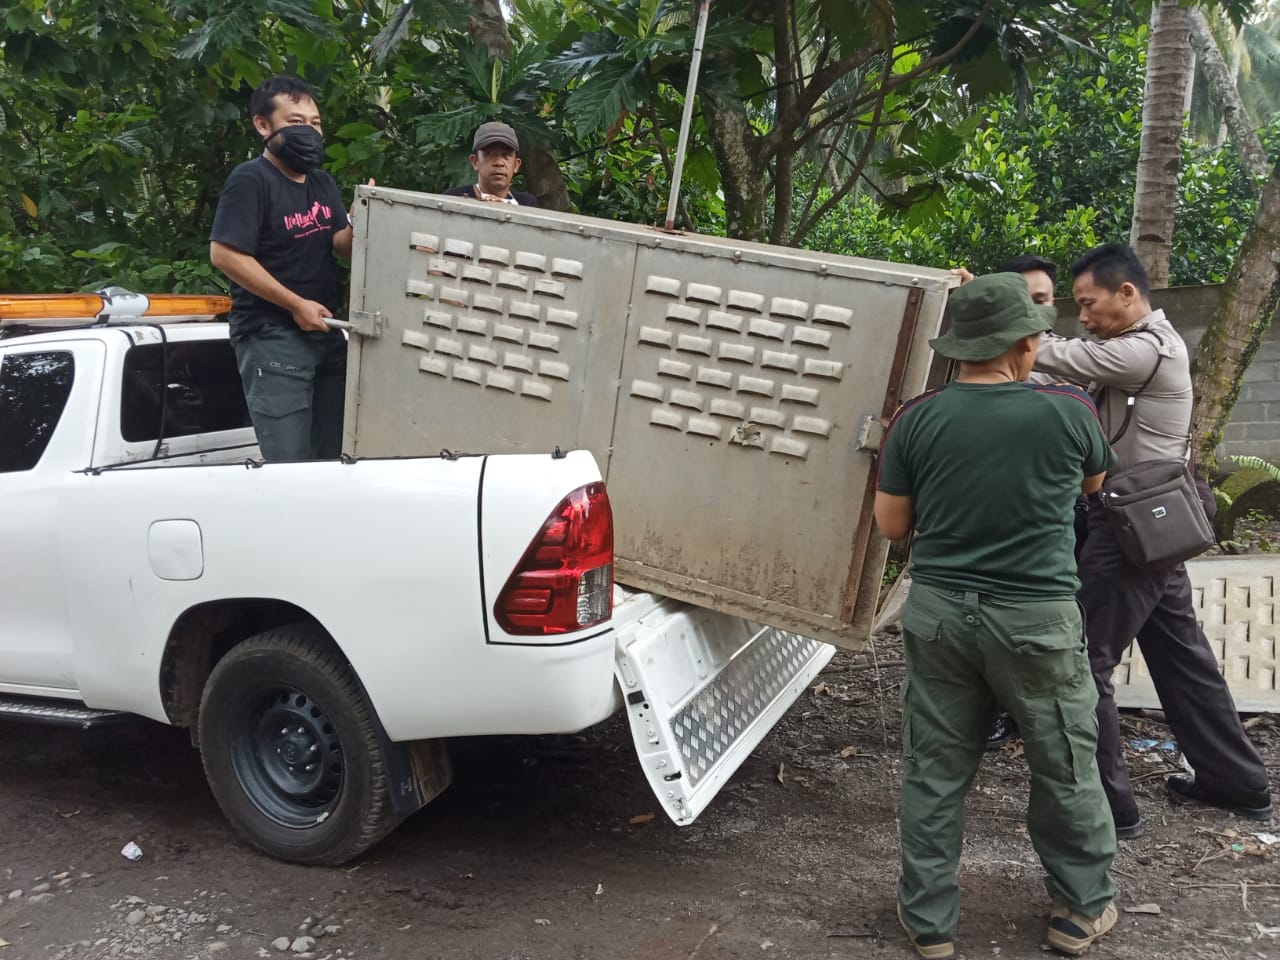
931	946
1002	731
1250	804
1070	932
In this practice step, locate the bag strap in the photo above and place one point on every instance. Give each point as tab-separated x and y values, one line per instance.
1133	398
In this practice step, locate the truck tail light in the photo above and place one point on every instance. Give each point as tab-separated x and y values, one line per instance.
564	581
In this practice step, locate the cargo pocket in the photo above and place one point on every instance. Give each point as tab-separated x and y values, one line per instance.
277	395
904	699
1079	742
922	633
1049	659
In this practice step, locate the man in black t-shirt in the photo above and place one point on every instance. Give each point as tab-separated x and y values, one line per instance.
279	222
495	157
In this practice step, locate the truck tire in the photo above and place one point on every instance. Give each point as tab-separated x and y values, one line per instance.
291	749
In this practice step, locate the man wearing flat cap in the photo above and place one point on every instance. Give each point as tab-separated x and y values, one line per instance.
986	470
495	157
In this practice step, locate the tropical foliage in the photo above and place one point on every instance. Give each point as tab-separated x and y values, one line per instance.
952	134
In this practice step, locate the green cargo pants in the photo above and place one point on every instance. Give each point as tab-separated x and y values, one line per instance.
966	651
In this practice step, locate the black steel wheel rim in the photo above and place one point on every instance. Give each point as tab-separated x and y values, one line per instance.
288	757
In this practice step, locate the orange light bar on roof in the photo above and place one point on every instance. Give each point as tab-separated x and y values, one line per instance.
185	305
39	306
90	306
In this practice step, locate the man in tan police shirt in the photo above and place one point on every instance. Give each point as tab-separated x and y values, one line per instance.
1121	603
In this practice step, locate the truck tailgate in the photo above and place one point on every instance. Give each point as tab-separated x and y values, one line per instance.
702	689
732	393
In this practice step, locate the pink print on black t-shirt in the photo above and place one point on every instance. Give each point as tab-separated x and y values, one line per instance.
307	222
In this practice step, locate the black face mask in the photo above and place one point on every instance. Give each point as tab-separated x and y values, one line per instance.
299	146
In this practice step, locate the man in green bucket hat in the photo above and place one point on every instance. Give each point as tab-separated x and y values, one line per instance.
985	470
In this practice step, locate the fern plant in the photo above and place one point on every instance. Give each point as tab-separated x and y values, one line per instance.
1241	490
1223	500
1257	463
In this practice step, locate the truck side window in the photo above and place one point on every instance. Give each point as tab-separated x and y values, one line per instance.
203	386
33	393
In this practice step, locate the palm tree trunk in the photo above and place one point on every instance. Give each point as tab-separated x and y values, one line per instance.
1222	84
1156	194
1245	311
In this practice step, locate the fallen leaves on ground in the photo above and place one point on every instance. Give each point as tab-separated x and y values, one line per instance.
1153	908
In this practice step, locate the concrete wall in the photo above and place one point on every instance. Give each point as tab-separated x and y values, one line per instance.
1255	421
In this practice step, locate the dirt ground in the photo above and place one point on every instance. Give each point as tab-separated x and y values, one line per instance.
532	853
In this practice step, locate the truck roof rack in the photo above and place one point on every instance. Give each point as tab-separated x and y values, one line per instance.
109	305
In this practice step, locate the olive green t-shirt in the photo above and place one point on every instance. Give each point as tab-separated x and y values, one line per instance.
993	471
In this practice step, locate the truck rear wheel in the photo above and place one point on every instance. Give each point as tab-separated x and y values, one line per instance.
291	751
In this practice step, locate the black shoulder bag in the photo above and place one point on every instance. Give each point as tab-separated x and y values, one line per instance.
1153	507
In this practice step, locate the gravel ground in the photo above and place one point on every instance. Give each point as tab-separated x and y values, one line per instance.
544	849
1256	533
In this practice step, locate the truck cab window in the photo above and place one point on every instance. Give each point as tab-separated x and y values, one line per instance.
34	388
204	393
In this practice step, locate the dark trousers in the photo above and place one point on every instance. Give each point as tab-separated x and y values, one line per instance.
295	386
1122	603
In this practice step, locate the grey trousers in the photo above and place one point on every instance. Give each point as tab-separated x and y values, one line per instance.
295	386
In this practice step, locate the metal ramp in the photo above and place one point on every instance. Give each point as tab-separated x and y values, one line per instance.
702	689
62	713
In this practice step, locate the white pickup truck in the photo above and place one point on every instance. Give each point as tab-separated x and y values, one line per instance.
322	627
